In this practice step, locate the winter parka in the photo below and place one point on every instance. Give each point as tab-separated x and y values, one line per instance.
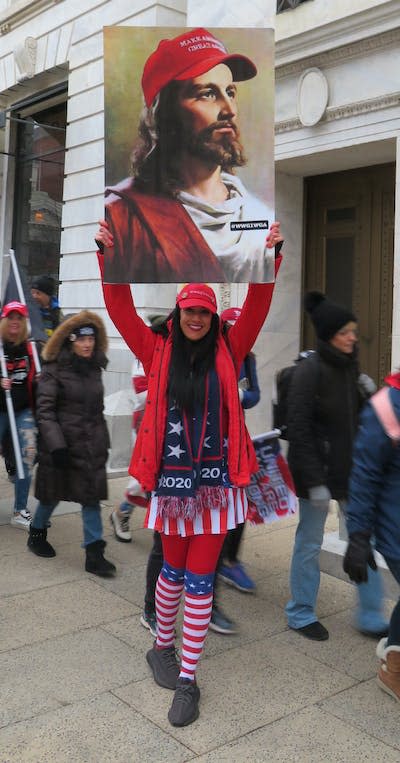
374	489
70	415
154	351
324	402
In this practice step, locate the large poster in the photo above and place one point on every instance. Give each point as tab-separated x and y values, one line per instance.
189	154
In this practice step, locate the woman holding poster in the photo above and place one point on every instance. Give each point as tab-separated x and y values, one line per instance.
195	456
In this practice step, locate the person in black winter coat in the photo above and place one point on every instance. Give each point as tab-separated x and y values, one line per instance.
325	397
73	435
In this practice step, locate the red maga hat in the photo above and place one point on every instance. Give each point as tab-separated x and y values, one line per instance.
189	55
231	314
197	295
14	307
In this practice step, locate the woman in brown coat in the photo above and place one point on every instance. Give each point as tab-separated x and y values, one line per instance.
73	435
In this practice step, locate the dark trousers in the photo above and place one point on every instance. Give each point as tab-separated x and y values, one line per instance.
154	564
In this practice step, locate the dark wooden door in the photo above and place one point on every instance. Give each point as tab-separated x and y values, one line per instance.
349	254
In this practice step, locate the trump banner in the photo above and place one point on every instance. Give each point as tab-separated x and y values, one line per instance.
271	493
189	154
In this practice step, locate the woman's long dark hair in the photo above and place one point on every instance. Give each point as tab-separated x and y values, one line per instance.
190	362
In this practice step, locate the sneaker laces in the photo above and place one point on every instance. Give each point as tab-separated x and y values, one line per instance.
124	523
25	514
170	657
184	693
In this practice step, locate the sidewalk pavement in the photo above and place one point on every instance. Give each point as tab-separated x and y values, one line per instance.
75	686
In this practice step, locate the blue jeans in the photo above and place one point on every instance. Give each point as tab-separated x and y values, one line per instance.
394	625
305	577
91	518
126	508
26	429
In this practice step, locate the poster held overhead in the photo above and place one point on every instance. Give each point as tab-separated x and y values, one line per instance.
194	207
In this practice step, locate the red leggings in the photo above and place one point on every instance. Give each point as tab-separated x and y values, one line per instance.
197	553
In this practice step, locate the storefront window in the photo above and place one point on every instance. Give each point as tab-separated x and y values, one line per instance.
39	190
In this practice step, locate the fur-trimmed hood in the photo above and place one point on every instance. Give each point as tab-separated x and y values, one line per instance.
52	348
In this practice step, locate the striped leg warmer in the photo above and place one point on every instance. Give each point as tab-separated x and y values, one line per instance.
196	618
168	595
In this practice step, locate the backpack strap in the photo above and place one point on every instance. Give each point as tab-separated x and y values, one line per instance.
383	408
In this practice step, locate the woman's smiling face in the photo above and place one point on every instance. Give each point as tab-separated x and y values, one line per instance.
195	322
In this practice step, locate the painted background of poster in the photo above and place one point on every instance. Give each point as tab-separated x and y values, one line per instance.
126	50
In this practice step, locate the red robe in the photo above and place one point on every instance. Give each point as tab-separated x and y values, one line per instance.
155	241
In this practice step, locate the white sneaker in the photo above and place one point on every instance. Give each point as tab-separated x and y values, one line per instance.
121	527
21	519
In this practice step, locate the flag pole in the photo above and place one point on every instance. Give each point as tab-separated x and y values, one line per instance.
11	416
22	299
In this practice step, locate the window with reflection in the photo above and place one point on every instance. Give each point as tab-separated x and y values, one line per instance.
39	182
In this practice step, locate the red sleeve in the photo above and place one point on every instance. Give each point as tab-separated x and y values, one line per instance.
121	309
246	329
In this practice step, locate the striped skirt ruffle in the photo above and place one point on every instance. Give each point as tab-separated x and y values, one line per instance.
209	522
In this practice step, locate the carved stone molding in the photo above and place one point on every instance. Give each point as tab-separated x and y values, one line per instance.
25	58
19	13
342	112
343	53
363	107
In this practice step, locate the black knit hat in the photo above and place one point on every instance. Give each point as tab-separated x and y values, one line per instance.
46	284
328	317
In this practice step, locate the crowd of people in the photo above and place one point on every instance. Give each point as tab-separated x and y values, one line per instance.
193	457
197	376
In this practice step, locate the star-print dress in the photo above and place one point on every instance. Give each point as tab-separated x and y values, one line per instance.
194	495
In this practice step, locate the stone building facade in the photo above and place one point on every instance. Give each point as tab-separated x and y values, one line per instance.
336	150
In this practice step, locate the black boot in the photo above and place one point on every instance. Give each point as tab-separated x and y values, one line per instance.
38	544
95	561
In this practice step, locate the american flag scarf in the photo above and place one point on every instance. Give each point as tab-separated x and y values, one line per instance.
194	473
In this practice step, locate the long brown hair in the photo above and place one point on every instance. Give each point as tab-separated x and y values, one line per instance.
156	157
190	361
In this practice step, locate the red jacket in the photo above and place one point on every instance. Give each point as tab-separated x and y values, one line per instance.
154	351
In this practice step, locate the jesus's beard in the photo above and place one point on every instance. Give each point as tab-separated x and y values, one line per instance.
226	151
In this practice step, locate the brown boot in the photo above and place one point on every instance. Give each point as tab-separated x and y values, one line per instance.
389	673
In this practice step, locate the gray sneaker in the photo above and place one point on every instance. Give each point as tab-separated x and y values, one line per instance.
21	519
120	523
164	665
185	704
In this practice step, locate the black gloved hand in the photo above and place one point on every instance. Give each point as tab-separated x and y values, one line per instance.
358	557
60	458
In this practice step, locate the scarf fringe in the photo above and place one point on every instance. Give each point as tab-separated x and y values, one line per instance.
189	507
